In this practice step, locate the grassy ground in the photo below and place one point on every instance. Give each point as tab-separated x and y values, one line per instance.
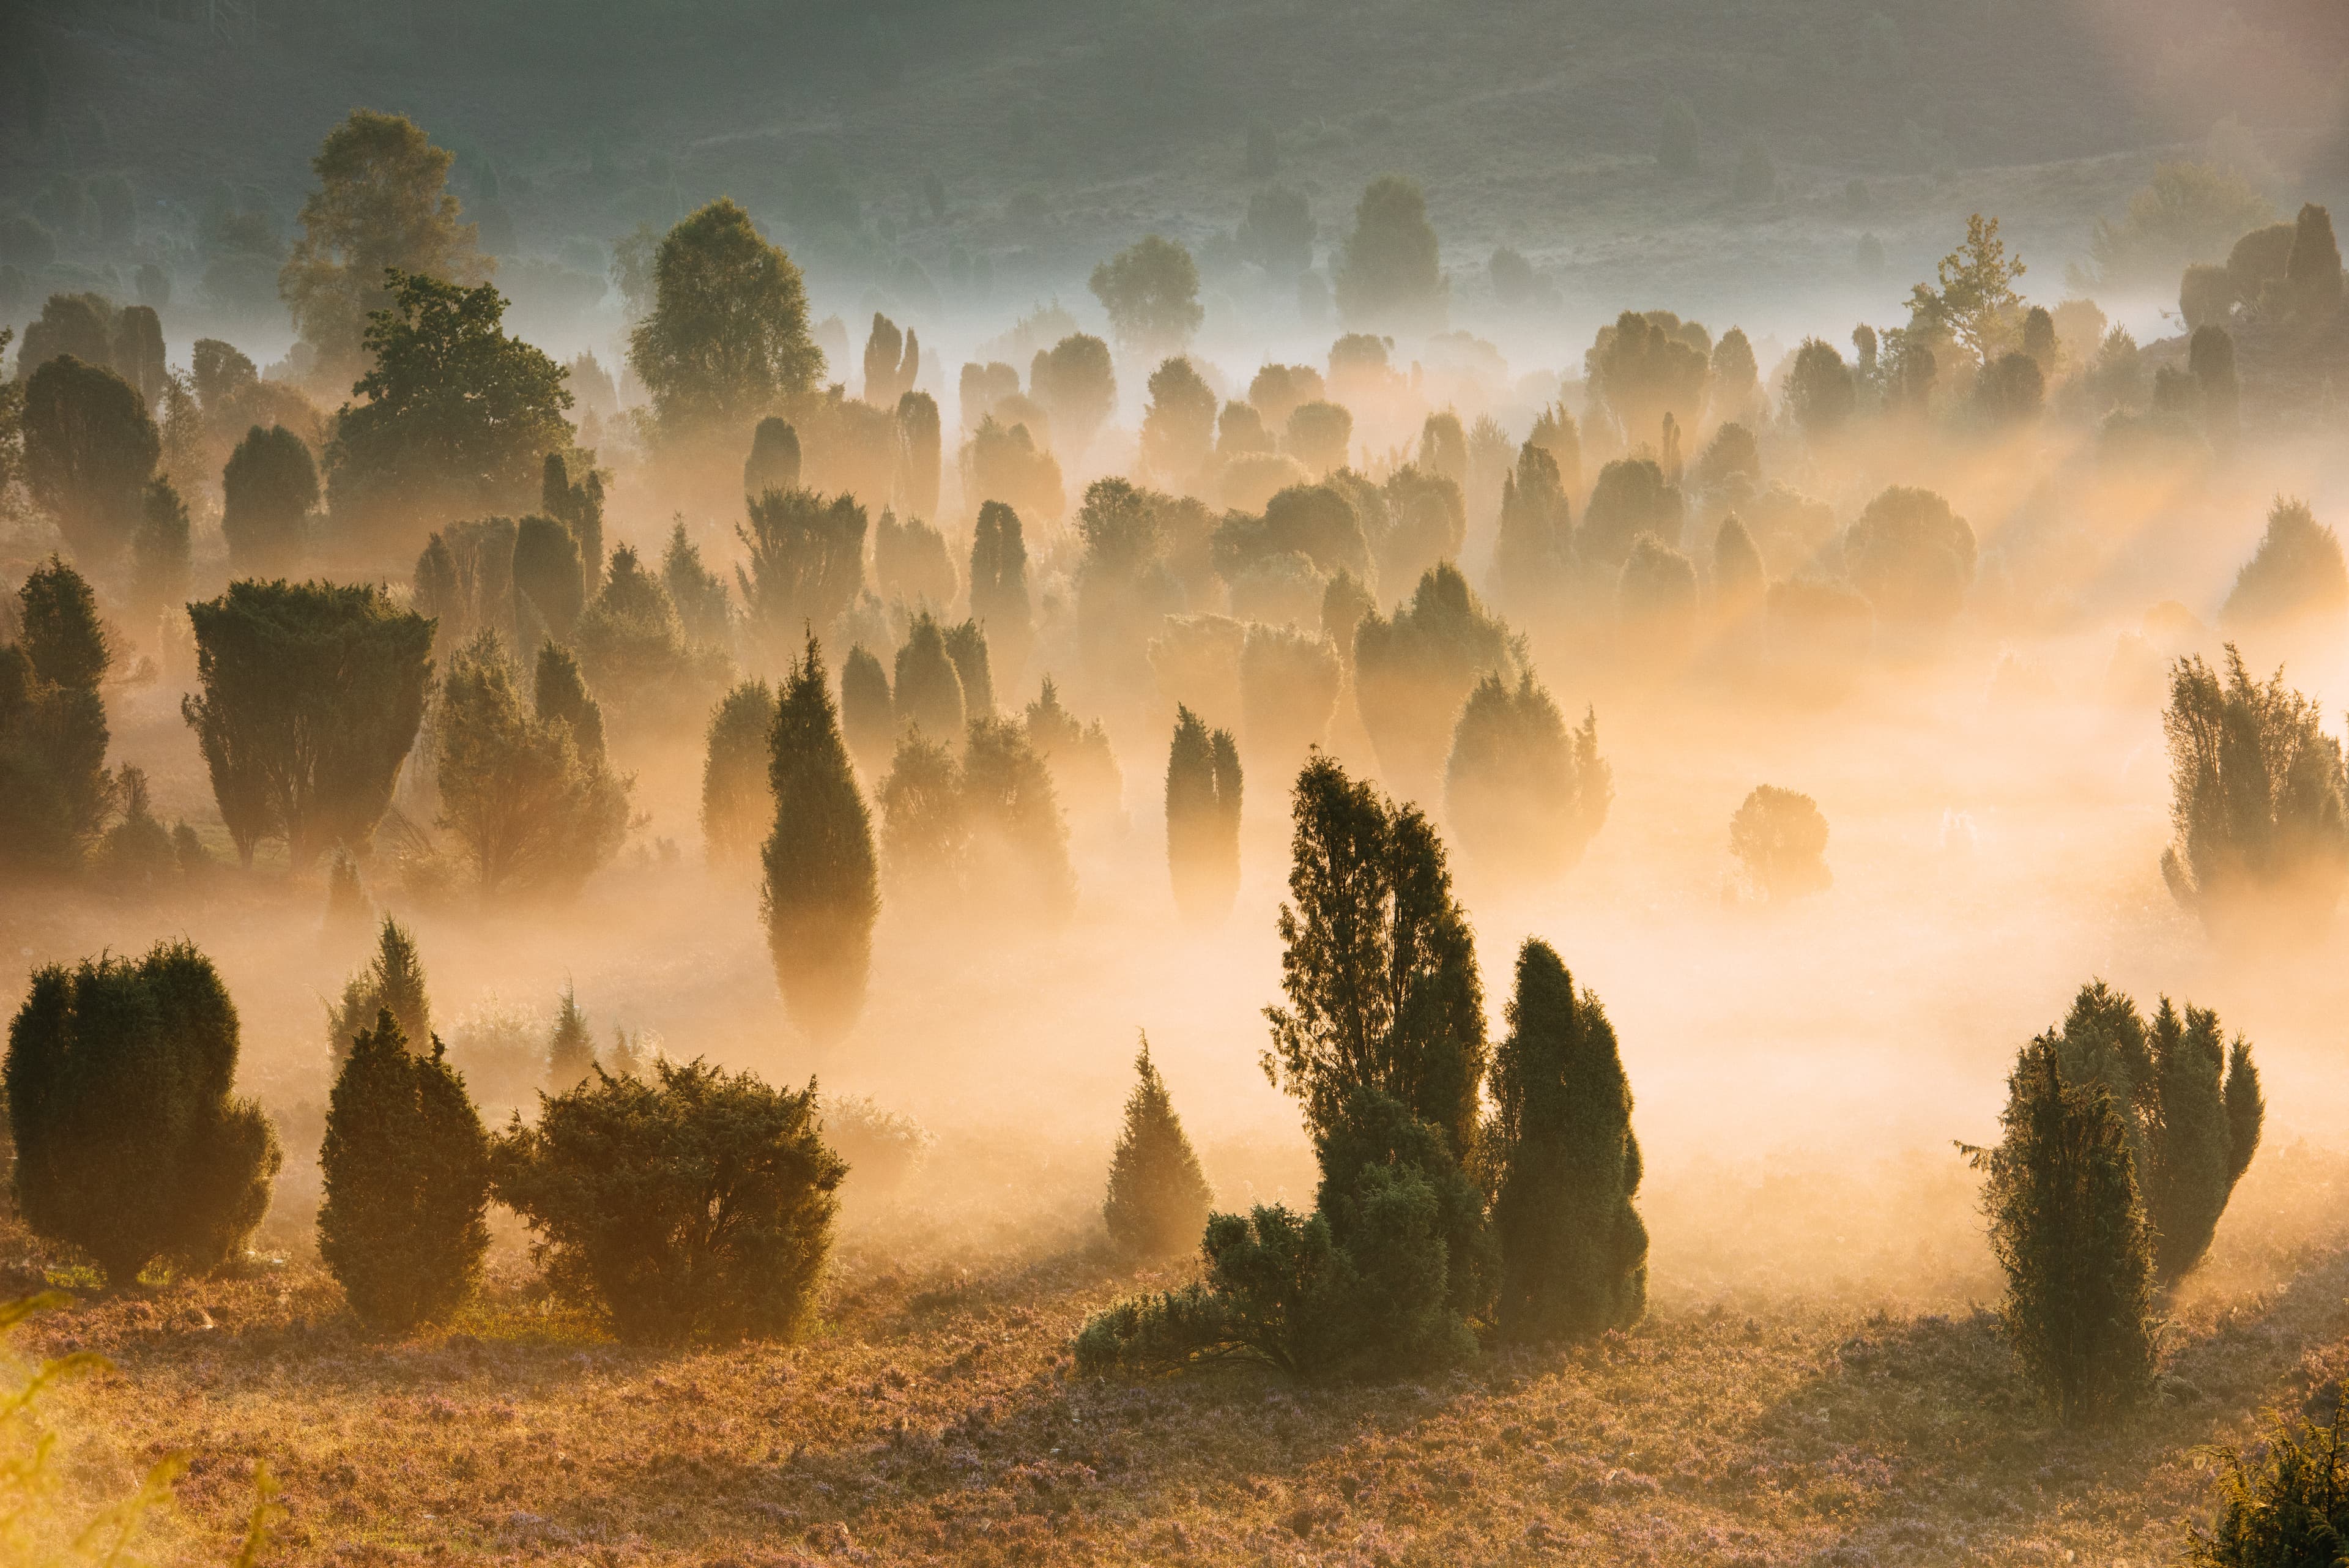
933	1418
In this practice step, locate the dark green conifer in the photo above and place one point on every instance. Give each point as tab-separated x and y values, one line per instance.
774	459
405	1168
161	553
267	492
822	891
1203	818
998	583
2067	1227
1158	1196
737	808
129	1144
1563	1161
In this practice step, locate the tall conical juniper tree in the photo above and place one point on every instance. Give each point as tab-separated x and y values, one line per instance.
129	1145
868	712
2067	1227
392	981
1563	1163
406	1169
1203	818
823	888
1158	1196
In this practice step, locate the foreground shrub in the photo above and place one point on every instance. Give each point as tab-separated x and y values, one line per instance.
2258	802
2190	1101
2284	1505
1158	1196
407	1175
129	1145
1563	1162
695	1206
2069	1231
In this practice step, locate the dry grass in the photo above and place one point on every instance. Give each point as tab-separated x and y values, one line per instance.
933	1418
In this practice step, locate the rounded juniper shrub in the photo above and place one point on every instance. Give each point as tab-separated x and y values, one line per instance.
406	1167
691	1204
129	1144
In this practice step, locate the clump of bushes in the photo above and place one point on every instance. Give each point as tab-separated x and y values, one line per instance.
2258	802
1414	670
691	1205
1203	817
129	1145
982	831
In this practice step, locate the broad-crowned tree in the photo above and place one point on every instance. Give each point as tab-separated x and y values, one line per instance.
1151	291
1780	837
1158	1196
2069	1231
737	809
268	491
822	893
1412	671
381	204
1563	1163
90	448
453	416
1077	385
310	697
686	1205
1389	269
1178	426
1377	963
727	341
1633	496
1913	557
1203	818
806	564
405	1173
129	1143
1524	792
